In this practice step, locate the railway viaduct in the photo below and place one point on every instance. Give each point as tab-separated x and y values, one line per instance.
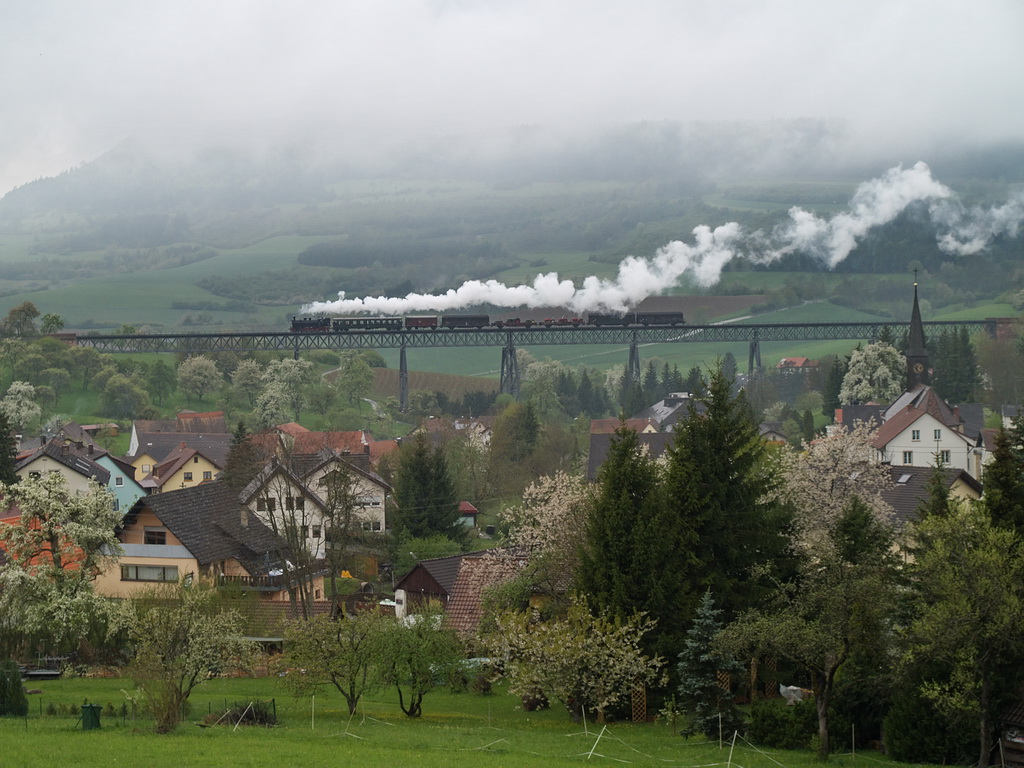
510	338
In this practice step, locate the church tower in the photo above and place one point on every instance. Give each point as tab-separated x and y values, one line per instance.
917	354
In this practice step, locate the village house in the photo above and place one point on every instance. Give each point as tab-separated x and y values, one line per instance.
309	491
183	467
201	532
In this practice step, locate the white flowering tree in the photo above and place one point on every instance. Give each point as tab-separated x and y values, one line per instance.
55	550
876	374
19	405
181	637
586	662
544	533
290	380
343	652
198	375
820	480
841	599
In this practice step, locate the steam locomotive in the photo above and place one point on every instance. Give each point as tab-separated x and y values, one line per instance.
354	323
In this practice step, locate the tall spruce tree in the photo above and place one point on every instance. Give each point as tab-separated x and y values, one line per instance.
720	487
1004	485
8	452
937	502
629	560
244	460
711	708
424	492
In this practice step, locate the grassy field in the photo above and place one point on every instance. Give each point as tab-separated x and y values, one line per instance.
455	730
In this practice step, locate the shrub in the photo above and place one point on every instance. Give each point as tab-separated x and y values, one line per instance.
916	732
775	725
13	701
245	713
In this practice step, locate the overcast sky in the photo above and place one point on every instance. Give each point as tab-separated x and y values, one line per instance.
77	77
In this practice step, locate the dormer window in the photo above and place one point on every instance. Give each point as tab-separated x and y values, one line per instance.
154	536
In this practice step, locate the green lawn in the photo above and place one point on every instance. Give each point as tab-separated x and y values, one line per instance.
455	730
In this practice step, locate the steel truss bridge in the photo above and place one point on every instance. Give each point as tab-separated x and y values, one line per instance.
509	339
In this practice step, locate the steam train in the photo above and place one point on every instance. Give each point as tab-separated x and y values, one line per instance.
357	323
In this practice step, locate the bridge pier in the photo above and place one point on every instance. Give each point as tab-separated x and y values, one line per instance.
633	368
754	358
510	369
403	381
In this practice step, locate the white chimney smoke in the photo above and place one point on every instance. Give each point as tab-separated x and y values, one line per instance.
960	231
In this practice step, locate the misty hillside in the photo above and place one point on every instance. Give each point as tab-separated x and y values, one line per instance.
449	210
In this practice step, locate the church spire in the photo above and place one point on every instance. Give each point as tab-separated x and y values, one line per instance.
917	353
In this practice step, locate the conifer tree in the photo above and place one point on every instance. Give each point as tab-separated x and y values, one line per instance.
937	502
1004	485
424	492
8	452
711	707
632	546
244	460
718	486
13	701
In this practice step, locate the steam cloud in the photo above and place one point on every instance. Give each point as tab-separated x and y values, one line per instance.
960	231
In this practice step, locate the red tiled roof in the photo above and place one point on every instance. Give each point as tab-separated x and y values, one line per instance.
608	426
894	426
314	442
465	508
380	448
795	362
465	605
291	428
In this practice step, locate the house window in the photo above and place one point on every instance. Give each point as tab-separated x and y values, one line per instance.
261	504
149	573
908	457
188	477
154	536
371	526
208	475
117	504
300	503
316	531
195	459
147	468
305	531
944	457
35	475
118	481
289	503
271	504
938	434
915	434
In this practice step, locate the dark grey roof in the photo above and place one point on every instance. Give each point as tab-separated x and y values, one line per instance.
444	570
65	454
866	413
656	443
159	445
207	519
670	411
909	489
973	416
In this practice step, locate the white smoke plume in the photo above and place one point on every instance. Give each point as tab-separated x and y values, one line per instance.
960	231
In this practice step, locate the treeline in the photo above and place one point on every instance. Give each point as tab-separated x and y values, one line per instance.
115	260
351	255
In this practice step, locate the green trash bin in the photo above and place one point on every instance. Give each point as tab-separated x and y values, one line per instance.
90	717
